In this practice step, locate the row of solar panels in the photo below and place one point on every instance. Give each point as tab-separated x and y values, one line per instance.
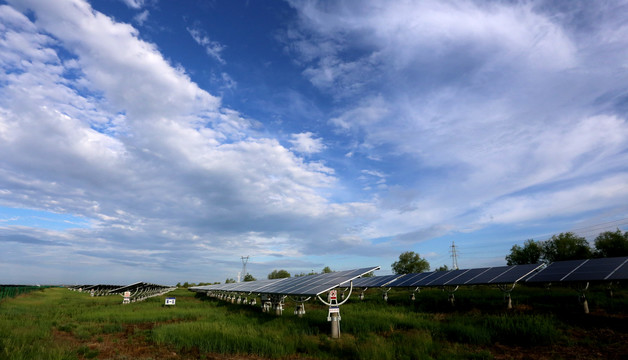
605	269
135	288
310	285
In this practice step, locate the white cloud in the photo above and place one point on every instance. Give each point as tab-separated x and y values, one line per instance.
134	4
141	17
305	143
212	48
131	142
481	101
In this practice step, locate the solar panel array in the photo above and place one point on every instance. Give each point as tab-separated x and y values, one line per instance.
604	269
139	290
310	285
486	276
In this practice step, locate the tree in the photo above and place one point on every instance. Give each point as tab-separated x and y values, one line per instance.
566	246
279	274
249	277
327	270
443	268
410	262
530	253
230	281
611	244
186	285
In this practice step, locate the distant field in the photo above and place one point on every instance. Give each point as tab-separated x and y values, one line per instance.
56	323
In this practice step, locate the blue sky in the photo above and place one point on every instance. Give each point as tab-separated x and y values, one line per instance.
152	140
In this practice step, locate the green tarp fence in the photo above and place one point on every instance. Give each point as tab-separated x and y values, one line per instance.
13	291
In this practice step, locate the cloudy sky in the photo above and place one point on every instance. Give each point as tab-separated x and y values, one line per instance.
153	140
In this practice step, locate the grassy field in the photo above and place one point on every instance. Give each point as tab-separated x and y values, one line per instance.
56	323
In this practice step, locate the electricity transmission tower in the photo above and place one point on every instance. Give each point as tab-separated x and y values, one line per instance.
454	256
245	259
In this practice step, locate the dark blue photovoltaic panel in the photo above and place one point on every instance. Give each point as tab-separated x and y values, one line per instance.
444	277
409	280
315	284
488	275
430	278
304	285
621	273
515	273
555	271
466	276
375	281
595	269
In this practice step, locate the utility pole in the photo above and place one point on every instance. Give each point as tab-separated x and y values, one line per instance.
454	256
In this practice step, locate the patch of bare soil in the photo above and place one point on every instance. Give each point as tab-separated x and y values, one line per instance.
133	344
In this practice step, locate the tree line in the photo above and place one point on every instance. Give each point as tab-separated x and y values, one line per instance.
561	247
569	246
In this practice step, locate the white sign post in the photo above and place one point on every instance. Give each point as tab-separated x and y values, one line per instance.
127	297
170	301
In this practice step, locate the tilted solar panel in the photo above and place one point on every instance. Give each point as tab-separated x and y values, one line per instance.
515	273
555	271
595	269
621	273
444	277
375	281
468	275
410	280
317	284
488	275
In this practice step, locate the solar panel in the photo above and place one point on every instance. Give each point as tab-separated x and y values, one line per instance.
487	276
443	277
555	271
621	273
604	269
426	280
374	281
468	275
595	269
410	280
309	285
515	273
321	283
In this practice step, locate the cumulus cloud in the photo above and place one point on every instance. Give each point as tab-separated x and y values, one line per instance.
306	143
486	102
111	131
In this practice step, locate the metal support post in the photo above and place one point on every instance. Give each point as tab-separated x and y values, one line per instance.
361	296
583	298
333	315
385	294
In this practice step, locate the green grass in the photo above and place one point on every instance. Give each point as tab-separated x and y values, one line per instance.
57	323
